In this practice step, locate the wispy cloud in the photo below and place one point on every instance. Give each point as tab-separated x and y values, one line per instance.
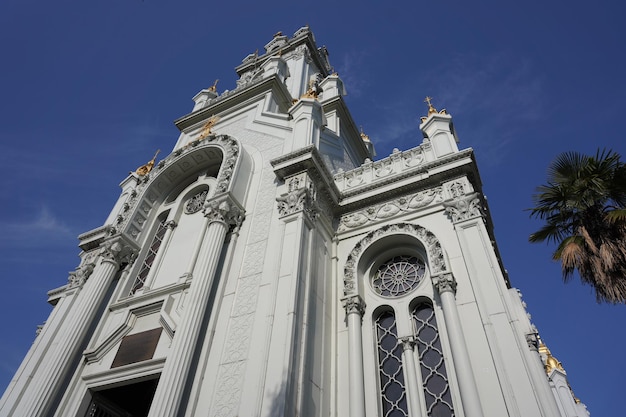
350	70
42	230
494	97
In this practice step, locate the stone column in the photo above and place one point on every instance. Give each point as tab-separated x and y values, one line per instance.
446	286
355	307
220	214
410	374
57	362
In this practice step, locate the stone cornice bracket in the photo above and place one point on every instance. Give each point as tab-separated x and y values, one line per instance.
300	197
225	210
444	283
465	207
118	250
354	304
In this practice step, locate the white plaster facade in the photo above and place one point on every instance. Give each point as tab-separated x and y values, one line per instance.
272	221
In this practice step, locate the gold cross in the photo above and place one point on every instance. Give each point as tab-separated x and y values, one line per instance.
427	100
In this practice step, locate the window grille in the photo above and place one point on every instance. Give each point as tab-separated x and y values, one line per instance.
434	375
150	256
392	386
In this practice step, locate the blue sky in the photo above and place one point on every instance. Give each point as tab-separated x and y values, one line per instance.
89	90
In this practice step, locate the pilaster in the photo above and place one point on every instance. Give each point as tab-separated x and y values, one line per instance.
355	308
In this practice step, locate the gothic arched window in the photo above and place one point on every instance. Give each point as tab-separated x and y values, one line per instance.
392	386
434	376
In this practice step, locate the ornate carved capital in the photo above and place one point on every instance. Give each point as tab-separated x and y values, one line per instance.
300	197
79	276
117	251
444	283
408	342
354	304
223	211
171	224
464	207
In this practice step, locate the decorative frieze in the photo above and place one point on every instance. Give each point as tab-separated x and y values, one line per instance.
444	283
390	209
436	259
464	207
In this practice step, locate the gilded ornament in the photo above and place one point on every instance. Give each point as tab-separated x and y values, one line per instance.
145	169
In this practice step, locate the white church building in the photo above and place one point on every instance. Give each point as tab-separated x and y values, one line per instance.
269	267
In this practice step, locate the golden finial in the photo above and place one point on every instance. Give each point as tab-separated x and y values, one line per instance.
145	169
431	109
277	34
551	362
213	88
365	137
206	129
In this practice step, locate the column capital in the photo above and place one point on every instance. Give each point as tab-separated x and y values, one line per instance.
117	250
171	224
445	283
224	210
300	196
464	207
80	275
408	342
354	304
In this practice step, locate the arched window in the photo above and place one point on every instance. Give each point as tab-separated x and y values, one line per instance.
148	260
434	376
392	386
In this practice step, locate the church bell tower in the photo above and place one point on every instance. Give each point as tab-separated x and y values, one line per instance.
268	266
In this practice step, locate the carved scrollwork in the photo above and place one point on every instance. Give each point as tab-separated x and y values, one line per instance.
117	252
465	207
299	197
79	276
354	304
444	283
390	208
436	259
223	211
196	202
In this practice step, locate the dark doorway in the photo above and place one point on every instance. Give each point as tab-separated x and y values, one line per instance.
132	400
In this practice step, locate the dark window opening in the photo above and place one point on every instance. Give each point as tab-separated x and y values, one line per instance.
131	400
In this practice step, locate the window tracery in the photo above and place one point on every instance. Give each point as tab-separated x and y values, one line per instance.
392	386
398	276
434	375
140	280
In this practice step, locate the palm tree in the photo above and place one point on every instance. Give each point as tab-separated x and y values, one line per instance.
583	206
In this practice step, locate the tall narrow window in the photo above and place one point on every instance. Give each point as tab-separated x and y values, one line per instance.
434	375
150	256
392	386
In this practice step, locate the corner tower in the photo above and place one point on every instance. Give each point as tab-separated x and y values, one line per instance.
268	266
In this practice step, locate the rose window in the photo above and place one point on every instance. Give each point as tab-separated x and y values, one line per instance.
195	203
398	276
